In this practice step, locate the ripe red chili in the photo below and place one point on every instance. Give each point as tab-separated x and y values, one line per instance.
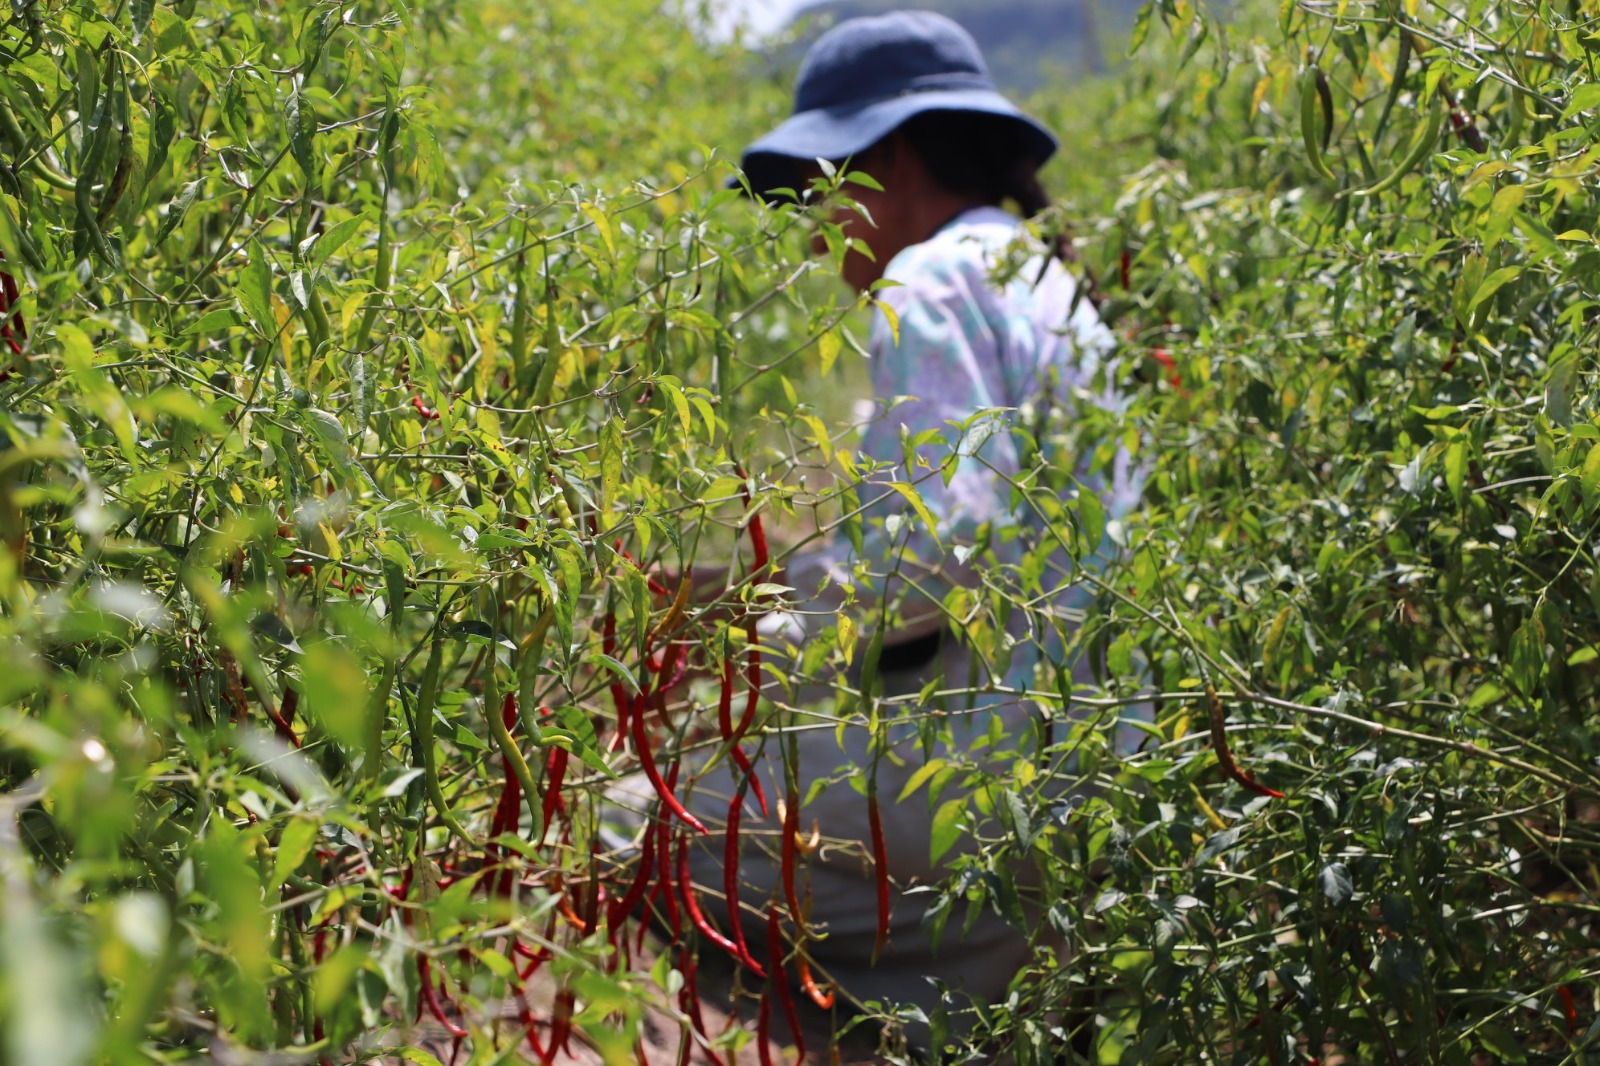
430	996
619	696
12	329
1219	742
880	868
786	850
689	1003
764	1031
664	890
822	997
647	762
730	878
555	772
428	413
623	907
283	717
730	737
707	930
780	983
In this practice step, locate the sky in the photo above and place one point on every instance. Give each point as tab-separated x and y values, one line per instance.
760	16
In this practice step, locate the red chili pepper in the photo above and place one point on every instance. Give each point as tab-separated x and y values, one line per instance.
506	811
624	907
431	997
880	869
555	772
791	830
731	737
283	718
668	673
764	1031
1219	742
1162	356
525	1016
655	586
619	697
822	997
689	1003
561	1024
730	878
11	317
780	983
647	762
707	930
664	888
758	542
428	413
1569	1007
1124	265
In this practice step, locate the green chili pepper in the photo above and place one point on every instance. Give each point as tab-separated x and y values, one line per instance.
427	697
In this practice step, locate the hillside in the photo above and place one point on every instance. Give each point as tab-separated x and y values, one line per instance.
1025	41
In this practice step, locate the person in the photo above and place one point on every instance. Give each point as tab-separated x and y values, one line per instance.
981	320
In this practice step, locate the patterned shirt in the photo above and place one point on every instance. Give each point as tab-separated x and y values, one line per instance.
973	328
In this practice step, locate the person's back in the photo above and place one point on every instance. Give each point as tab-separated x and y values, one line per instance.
906	98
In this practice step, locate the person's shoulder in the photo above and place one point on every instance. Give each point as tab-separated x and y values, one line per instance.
960	258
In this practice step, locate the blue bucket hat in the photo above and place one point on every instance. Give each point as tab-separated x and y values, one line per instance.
865	77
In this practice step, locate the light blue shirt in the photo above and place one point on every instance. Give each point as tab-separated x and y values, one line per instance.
972	325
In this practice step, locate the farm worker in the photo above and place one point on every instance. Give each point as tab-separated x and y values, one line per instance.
906	98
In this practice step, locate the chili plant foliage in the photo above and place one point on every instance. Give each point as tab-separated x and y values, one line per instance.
1360	241
361	359
380	378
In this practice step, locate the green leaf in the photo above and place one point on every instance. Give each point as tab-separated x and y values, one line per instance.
1091	521
947	827
620	669
680	404
141	11
1217	845
255	291
1337	886
1141	26
337	236
218	319
293	847
1456	458
1492	284
335	692
302	122
177	209
1501	1043
611	449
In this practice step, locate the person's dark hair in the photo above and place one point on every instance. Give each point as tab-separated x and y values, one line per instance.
980	155
977	155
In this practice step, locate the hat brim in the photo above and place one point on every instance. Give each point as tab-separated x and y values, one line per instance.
837	133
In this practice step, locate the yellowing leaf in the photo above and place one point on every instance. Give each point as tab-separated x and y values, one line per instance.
1590	477
334	551
282	314
915	500
488	363
1259	94
828	346
602	225
848	632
